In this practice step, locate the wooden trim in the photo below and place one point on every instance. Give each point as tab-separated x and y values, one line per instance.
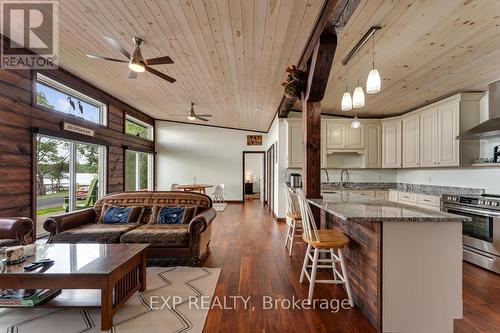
140	150
70	136
208	125
243	168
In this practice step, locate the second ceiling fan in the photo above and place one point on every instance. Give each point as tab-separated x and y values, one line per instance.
136	63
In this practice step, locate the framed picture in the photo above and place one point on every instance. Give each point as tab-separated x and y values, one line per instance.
254	140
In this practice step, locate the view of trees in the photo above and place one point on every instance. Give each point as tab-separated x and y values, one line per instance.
136	129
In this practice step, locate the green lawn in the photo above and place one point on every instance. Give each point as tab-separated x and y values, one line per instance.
49	210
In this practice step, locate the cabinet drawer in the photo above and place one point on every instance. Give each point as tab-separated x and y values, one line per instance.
428	207
429	200
407	197
365	193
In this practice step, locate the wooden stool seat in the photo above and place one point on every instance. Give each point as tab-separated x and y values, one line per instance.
295	216
329	239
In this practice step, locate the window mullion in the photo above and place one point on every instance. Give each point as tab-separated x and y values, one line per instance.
137	172
72	176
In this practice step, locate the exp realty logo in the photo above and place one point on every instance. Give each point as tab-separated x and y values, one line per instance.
32	31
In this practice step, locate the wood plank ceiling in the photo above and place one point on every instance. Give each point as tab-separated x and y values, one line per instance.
229	55
426	49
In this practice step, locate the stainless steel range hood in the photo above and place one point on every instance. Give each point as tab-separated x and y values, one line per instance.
490	128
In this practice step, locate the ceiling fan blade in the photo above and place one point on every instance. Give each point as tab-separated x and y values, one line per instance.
104	58
204	115
116	45
132	75
201	118
160	74
159	61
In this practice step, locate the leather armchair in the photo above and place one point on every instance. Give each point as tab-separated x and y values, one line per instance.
15	229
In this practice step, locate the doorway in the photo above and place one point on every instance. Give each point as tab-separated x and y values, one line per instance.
269	193
254	178
70	175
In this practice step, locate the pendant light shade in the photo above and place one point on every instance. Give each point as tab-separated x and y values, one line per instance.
346	101
373	82
355	123
358	98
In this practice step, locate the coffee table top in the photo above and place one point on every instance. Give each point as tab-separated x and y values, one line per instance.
78	258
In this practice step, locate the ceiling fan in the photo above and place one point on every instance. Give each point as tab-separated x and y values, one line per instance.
136	62
191	115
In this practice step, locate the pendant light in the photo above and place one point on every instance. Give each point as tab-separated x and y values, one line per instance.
358	97
346	99
373	82
355	122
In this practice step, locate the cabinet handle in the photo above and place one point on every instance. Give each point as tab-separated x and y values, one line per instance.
427	200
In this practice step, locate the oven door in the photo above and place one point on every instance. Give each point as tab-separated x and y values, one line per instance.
482	231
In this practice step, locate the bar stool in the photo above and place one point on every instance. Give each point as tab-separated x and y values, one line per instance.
293	221
329	241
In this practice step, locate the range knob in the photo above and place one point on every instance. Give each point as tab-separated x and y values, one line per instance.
480	202
495	203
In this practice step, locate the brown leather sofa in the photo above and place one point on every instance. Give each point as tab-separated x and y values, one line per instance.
189	240
15	230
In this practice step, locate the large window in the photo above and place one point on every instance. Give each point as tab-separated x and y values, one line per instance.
138	128
70	176
56	96
138	171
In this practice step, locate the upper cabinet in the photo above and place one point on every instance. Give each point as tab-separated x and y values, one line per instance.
340	135
373	145
294	151
428	137
410	137
391	143
448	130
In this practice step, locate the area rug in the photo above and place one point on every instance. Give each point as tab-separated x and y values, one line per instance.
219	206
176	300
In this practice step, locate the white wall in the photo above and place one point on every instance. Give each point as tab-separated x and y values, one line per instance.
213	155
277	136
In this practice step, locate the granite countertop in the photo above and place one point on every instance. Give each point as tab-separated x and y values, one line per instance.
356	208
402	187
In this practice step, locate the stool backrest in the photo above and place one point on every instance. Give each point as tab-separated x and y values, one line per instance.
308	223
291	207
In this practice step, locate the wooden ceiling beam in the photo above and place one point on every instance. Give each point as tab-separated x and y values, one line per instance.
334	15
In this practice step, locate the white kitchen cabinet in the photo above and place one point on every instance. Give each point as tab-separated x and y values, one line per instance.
391	143
393	195
355	137
294	146
448	130
373	145
382	195
336	135
410	137
323	161
407	198
428	137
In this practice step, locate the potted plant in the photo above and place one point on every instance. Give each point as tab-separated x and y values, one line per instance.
295	82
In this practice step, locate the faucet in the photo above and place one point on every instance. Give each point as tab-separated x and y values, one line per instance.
327	176
342	181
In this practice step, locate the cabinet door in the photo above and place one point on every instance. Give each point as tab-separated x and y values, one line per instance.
373	145
448	129
294	145
393	195
335	137
355	137
391	144
382	195
428	138
323	146
411	153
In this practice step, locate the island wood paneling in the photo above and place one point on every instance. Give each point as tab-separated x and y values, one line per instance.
18	119
363	258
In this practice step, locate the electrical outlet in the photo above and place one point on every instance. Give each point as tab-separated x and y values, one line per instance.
429	179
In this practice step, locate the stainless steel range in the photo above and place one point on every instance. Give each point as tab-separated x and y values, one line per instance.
481	235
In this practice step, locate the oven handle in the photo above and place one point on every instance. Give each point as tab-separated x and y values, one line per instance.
471	210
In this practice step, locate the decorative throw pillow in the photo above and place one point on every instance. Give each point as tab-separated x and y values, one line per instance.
117	214
171	214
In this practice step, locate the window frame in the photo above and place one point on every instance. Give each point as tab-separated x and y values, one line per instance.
65	89
150	170
150	128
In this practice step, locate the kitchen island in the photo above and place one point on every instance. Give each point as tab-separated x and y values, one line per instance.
404	262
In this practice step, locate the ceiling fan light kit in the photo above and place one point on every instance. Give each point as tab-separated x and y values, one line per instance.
136	63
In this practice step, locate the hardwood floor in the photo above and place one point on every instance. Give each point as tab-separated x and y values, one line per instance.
248	244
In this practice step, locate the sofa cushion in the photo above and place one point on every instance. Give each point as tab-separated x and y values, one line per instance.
119	214
158	214
94	233
159	235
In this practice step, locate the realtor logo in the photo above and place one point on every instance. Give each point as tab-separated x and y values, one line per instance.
32	34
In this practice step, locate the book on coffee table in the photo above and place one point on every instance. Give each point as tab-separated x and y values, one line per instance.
25	297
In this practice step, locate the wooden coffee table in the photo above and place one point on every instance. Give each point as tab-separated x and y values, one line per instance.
114	272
